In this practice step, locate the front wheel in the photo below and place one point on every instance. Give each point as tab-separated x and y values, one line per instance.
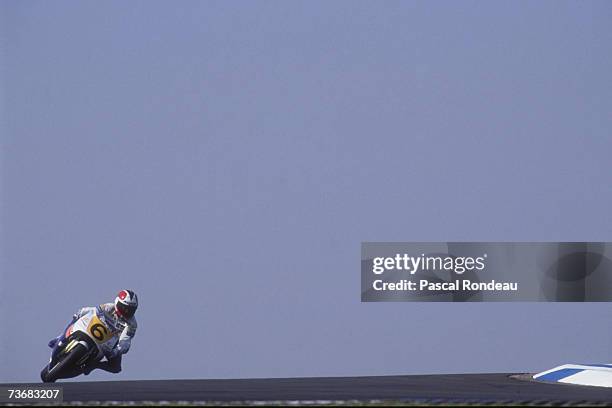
44	375
65	363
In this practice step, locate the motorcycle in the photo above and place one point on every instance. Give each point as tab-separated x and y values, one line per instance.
82	343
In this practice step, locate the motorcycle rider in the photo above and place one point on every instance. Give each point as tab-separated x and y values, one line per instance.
119	316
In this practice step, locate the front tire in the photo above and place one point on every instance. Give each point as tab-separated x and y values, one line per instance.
65	363
44	375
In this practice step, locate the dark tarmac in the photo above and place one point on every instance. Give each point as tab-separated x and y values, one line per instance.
476	388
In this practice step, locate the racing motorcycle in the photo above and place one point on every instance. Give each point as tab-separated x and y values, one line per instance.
83	343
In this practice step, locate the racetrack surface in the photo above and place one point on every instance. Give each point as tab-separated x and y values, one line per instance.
478	388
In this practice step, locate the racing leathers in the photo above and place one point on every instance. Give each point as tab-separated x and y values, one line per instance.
123	330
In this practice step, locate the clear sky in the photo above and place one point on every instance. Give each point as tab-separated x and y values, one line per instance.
226	159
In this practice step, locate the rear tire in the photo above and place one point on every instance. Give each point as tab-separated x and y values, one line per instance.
65	363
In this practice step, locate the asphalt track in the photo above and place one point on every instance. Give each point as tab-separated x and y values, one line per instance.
479	388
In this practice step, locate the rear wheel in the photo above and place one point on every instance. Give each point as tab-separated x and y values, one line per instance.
66	362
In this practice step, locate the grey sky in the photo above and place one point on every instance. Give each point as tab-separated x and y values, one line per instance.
226	159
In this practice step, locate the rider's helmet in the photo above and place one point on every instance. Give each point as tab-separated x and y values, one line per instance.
126	304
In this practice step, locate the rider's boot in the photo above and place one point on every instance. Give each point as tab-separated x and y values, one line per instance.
112	366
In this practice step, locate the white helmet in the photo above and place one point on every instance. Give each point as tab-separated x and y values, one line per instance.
126	304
